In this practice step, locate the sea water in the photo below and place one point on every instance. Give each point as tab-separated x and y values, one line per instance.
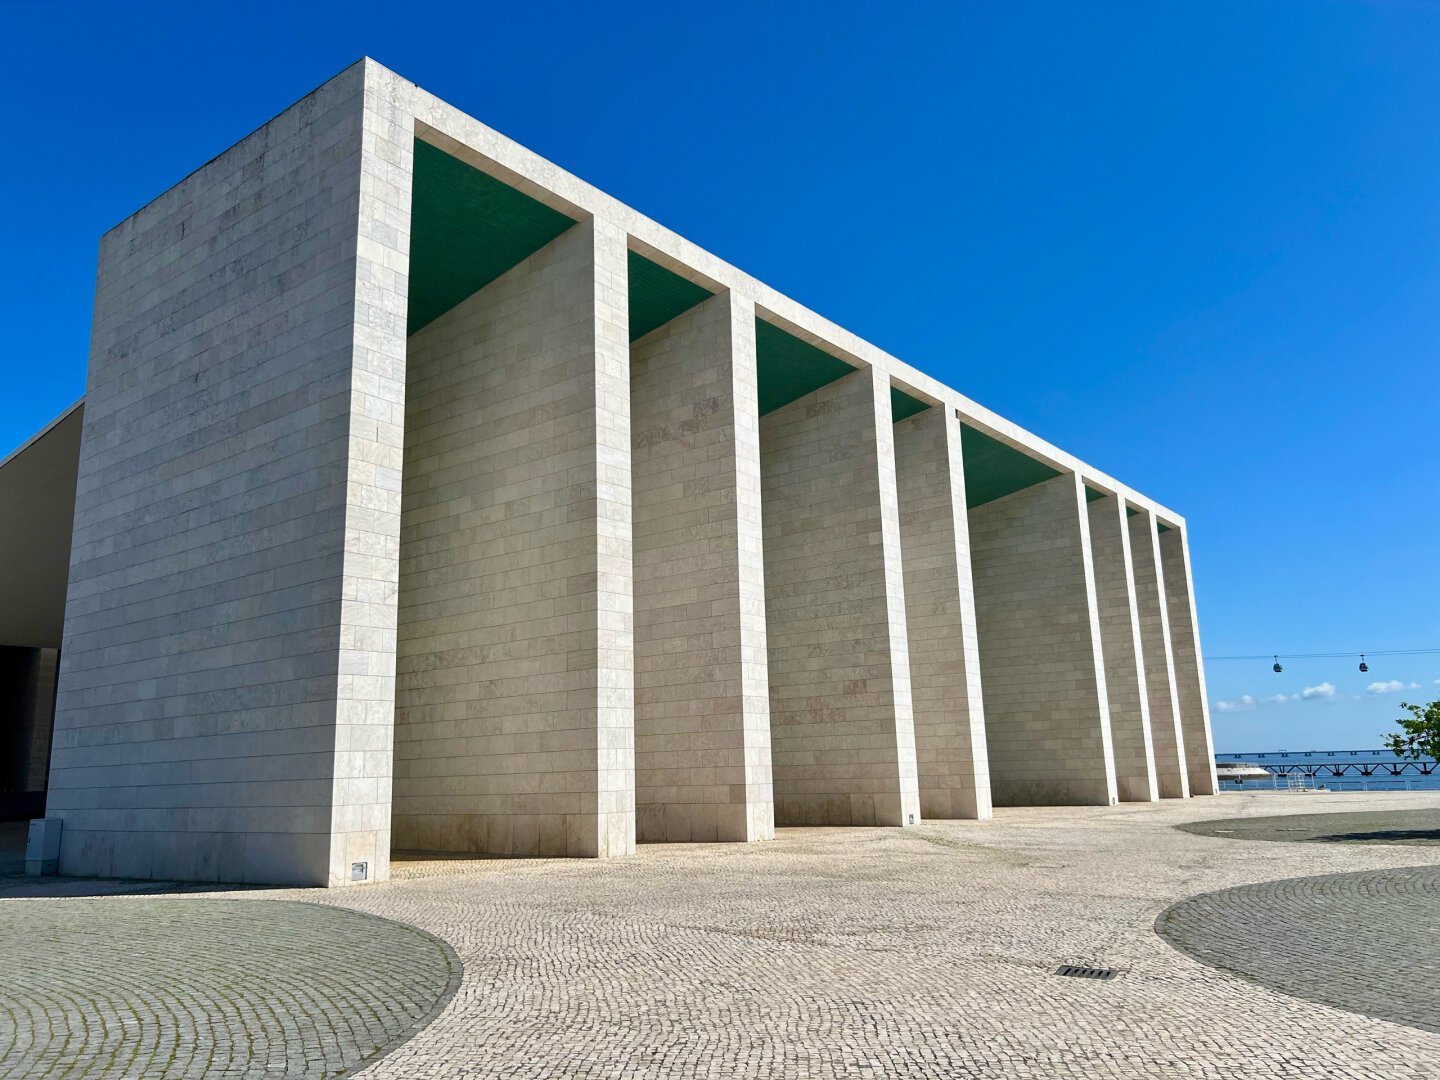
1337	770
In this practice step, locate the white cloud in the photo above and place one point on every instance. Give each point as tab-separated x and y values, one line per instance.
1244	703
1324	692
1393	686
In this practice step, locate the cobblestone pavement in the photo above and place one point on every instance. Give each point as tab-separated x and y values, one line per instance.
924	952
144	986
1320	938
1369	827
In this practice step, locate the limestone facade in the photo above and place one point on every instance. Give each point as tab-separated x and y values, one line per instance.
702	705
841	721
1189	669
1123	651
227	672
512	582
515	683
952	759
1047	712
1167	744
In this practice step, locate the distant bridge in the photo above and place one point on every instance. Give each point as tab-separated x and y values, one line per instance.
1319	764
1353	768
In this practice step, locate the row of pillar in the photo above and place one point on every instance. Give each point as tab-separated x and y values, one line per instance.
630	608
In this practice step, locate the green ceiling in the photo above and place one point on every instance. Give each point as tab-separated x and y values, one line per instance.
466	229
658	295
1091	494
994	470
902	405
788	368
1160	526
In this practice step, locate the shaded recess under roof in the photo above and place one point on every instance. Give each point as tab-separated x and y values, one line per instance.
903	406
1091	495
993	469
788	368
35	541
466	229
658	295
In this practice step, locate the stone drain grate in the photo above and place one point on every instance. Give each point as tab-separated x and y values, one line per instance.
1075	971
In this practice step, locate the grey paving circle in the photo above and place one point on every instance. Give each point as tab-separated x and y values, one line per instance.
1363	942
1369	827
188	987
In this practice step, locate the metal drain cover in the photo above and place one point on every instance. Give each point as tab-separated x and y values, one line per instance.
1077	972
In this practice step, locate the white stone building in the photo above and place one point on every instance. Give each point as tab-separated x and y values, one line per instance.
428	497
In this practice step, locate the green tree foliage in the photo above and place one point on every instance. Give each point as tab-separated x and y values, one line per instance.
1419	735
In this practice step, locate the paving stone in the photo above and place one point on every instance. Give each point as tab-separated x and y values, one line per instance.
872	952
148	986
1363	942
1375	827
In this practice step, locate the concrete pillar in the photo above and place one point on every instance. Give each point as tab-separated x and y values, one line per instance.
1166	741
1189	666
841	724
1047	718
227	675
514	701
1120	638
950	752
702	709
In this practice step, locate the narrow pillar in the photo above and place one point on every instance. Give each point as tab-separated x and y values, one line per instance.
1047	719
841	725
1166	741
1120	638
1189	666
950	752
702	710
515	691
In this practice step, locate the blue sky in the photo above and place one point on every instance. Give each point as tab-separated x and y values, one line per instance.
1196	244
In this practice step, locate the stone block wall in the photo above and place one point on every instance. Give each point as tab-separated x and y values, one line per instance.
841	725
1047	721
951	757
226	685
1192	700
702	711
1120	637
1167	742
515	687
